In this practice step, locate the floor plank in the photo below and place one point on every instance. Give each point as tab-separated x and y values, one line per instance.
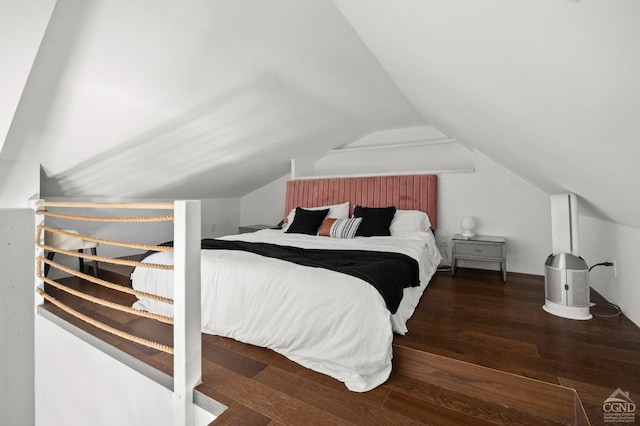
352	408
265	400
476	408
474	318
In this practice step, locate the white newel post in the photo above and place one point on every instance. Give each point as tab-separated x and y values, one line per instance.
187	340
38	299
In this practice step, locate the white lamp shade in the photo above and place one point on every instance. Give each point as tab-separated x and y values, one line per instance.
468	225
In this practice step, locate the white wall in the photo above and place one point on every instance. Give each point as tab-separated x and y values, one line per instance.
602	241
16	317
22	25
77	384
223	213
19	182
503	205
264	206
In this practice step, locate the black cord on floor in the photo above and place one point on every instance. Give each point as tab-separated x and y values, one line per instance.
446	256
618	311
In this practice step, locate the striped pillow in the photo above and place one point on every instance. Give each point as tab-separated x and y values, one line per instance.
345	228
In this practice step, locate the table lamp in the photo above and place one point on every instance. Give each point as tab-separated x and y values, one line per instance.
468	225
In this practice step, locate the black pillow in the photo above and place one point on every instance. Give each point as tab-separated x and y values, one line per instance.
307	221
375	220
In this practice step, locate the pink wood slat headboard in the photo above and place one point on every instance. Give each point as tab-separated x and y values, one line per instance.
406	192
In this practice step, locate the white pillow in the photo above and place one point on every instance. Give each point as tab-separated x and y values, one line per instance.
336	211
408	221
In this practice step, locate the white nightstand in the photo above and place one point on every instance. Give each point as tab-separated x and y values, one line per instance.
480	247
252	228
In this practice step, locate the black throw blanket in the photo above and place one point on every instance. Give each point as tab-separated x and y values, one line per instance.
388	272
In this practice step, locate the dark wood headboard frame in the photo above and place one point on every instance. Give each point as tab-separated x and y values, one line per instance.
405	192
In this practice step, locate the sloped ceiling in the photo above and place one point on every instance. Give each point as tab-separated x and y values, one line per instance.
548	88
210	99
195	99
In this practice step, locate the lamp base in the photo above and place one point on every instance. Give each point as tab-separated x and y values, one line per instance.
468	234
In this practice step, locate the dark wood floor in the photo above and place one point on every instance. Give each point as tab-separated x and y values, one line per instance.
471	320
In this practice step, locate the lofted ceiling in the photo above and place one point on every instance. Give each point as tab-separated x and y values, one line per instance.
210	99
549	88
197	99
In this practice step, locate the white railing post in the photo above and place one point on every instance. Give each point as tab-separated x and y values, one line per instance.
187	340
38	299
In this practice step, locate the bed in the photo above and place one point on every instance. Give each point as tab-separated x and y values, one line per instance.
331	321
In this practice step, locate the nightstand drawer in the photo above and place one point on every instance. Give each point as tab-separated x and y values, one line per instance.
481	250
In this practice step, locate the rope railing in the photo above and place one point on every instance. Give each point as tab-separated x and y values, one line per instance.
40	260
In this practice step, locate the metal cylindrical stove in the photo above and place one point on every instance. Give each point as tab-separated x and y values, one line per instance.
566	286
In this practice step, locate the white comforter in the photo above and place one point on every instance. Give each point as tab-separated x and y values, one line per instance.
326	321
